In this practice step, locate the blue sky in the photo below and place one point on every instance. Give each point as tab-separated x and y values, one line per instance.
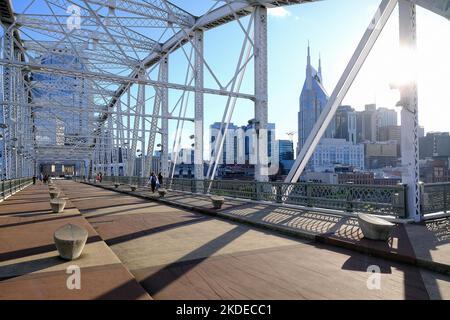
333	27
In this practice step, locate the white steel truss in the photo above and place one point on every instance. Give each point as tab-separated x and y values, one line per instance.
87	81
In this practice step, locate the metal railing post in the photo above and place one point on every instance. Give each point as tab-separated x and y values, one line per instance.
349	204
278	191
444	190
405	199
308	188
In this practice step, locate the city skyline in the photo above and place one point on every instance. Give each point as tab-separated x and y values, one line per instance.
373	82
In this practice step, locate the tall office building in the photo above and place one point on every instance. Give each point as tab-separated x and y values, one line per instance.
239	146
434	144
371	121
286	149
386	117
367	124
68	95
332	152
313	100
389	133
345	124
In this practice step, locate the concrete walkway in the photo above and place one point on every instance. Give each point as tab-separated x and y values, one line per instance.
177	253
426	244
30	267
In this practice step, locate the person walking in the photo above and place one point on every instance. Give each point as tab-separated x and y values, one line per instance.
100	177
153	182
34	179
160	179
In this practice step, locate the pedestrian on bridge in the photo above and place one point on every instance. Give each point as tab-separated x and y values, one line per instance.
160	179
153	181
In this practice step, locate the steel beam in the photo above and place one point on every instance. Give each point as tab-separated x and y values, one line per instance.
199	106
137	122
409	114
164	65
261	92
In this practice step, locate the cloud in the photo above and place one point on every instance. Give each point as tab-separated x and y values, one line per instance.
279	12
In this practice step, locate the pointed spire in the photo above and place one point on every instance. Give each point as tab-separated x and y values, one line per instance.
309	56
320	68
309	70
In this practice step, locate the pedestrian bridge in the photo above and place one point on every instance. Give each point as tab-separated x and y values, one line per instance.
142	246
86	83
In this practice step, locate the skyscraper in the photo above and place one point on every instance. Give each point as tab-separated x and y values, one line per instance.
286	149
386	117
313	99
367	124
345	124
239	146
69	94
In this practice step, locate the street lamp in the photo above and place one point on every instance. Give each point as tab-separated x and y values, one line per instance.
256	124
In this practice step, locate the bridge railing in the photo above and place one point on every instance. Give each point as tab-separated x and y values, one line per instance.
435	197
9	187
382	200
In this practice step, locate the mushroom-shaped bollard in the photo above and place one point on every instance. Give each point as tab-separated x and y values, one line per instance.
116	185
133	187
54	194
162	192
374	228
217	201
57	205
70	240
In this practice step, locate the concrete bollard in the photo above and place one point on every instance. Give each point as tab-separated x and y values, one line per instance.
162	192
57	205
217	201
374	228
70	240
54	194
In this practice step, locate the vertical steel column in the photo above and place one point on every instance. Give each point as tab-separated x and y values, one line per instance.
143	162
164	65
148	166
199	106
7	97
137	123
260	53
409	114
110	146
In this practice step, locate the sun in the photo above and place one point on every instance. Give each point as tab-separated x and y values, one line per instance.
405	68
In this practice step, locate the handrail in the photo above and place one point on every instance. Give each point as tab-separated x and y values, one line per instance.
382	200
435	197
11	186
